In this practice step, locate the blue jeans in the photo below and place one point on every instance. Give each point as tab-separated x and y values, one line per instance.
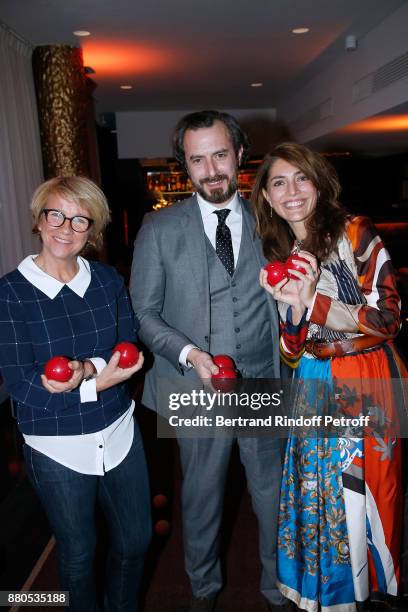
70	498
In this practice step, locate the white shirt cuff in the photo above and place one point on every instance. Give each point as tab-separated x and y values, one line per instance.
87	389
183	355
99	363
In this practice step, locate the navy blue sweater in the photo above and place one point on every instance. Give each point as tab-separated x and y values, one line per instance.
34	328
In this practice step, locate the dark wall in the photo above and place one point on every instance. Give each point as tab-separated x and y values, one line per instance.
122	182
374	186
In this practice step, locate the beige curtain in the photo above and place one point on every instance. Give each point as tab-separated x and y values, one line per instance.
20	151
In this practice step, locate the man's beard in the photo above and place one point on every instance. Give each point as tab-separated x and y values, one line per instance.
217	196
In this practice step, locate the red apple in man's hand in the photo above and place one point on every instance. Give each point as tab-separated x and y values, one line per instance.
129	354
57	368
295	266
276	272
224	361
224	381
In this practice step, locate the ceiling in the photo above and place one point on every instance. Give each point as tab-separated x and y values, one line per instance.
186	54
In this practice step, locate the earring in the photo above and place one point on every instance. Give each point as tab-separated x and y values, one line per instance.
270	211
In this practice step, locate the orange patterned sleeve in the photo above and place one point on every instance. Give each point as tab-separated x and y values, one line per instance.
292	339
380	315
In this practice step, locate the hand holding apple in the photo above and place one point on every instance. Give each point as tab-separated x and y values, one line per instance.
129	354
113	374
224	380
62	375
276	272
280	270
284	285
274	279
224	361
203	363
291	265
57	368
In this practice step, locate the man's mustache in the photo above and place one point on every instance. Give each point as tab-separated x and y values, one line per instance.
213	179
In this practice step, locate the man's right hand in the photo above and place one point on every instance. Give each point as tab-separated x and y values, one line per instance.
202	362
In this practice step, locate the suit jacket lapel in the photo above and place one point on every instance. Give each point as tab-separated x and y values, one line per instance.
197	254
249	221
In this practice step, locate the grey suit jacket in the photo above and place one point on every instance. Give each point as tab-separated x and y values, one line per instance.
169	287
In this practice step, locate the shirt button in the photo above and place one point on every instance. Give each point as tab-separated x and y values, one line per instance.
101	446
233	284
234	299
238	346
235	314
237	330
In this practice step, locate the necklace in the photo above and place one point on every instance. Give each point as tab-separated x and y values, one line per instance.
298	246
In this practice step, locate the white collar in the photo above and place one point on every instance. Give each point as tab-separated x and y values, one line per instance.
50	285
206	208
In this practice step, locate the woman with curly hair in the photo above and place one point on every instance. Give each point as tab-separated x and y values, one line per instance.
340	509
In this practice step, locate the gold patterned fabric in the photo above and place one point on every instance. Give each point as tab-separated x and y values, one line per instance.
64	97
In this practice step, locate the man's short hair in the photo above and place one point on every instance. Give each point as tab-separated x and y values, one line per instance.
205	119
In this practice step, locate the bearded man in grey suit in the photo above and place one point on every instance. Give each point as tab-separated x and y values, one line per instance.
195	290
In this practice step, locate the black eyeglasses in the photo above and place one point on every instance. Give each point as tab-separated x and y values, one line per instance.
56	218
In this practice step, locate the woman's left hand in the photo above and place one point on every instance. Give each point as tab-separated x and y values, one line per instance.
113	375
306	282
54	386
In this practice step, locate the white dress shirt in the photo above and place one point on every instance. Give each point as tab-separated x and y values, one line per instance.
93	453
210	222
233	221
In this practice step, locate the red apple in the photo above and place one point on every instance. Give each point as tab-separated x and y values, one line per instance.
57	368
129	354
224	361
276	272
294	266
162	527
159	500
225	380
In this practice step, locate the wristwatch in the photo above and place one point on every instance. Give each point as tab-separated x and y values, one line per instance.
93	374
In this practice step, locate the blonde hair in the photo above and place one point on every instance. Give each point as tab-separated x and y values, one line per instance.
83	192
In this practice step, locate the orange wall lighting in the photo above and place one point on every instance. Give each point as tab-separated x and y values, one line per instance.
382	123
117	58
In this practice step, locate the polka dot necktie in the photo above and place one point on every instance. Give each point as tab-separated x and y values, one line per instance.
223	242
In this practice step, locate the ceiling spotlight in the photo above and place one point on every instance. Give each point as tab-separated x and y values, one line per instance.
257	84
126	86
300	30
81	33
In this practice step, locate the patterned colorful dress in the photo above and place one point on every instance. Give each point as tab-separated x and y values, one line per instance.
341	501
